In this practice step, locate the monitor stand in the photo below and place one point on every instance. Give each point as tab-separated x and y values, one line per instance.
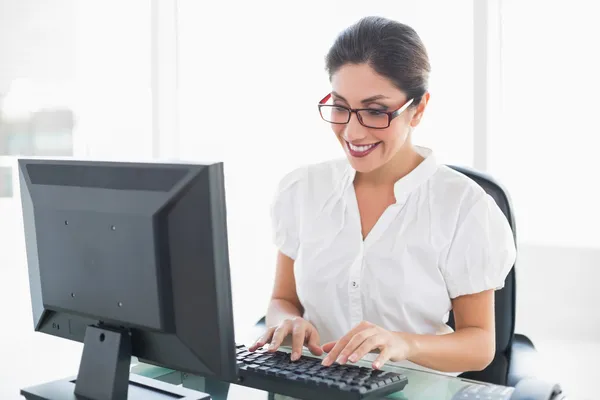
104	374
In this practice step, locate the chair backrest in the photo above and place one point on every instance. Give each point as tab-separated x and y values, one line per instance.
505	298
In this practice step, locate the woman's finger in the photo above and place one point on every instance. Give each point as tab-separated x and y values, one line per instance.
313	342
335	351
264	339
298	338
384	357
354	344
327	347
340	344
279	335
373	342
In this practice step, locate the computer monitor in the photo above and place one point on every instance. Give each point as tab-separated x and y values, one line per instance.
130	259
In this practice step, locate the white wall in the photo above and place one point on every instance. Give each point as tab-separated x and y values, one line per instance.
557	293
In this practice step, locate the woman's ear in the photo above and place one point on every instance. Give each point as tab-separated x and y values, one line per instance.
416	118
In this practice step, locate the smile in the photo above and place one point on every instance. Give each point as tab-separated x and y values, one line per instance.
362	150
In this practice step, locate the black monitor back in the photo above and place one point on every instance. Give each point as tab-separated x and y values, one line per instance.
140	246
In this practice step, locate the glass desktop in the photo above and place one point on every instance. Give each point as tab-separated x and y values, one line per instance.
422	385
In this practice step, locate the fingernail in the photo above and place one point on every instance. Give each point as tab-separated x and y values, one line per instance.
376	365
340	360
294	356
353	357
325	361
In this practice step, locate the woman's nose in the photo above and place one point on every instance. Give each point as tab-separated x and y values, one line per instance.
354	131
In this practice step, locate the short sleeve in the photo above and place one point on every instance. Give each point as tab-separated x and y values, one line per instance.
482	251
284	214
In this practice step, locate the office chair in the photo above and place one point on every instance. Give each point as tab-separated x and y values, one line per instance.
516	357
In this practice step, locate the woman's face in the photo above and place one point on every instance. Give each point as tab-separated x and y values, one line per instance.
359	86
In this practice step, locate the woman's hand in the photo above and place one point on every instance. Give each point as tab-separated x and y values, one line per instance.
302	331
364	338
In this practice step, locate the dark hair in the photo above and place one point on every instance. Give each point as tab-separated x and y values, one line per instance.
392	49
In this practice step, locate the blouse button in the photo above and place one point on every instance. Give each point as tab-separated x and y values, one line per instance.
354	284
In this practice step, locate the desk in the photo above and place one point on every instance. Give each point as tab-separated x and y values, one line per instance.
422	385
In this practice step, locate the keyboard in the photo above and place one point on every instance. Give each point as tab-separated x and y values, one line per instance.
306	378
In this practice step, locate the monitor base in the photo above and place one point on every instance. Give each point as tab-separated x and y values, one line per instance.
140	388
104	374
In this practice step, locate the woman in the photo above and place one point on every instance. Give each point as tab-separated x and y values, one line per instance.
376	249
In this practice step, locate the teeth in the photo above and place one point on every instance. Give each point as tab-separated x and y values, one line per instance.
361	149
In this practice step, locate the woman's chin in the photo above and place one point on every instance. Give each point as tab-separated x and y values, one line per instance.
362	165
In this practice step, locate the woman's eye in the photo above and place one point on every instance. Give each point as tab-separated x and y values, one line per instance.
375	112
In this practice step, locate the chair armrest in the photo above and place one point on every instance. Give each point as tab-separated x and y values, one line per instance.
494	373
537	389
524	361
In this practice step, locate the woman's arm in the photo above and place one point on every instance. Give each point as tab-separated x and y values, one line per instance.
284	315
284	300
470	348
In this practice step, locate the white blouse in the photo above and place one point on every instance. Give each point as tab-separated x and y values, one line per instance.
443	238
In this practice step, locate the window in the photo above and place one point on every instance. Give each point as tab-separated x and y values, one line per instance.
546	147
75	79
29	127
6	188
249	84
35	115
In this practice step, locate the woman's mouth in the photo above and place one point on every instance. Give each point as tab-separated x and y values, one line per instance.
360	150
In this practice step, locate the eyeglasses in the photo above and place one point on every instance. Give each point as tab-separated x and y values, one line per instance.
368	117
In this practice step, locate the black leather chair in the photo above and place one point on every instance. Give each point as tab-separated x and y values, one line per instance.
516	357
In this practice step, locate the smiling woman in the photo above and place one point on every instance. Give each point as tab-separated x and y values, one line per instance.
376	248
250	99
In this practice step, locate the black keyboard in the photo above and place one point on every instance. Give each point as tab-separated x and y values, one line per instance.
306	378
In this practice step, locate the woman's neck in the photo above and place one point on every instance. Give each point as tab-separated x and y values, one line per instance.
405	160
